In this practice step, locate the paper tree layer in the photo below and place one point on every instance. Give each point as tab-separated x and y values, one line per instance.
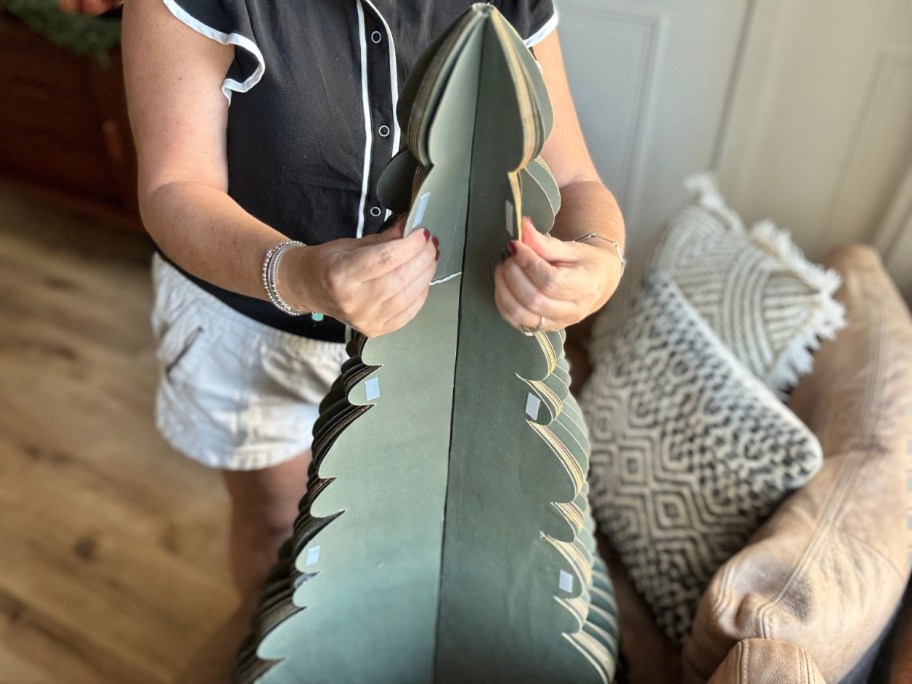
446	535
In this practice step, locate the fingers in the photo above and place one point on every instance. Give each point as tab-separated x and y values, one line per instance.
395	300
564	281
394	221
388	231
399	277
402	307
519	314
377	255
371	281
548	248
544	277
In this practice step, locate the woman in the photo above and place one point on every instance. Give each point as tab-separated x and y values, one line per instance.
257	123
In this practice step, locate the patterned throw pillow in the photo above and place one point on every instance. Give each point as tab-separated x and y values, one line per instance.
690	452
754	288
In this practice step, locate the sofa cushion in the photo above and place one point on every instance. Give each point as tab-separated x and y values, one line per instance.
764	661
826	572
754	288
690	452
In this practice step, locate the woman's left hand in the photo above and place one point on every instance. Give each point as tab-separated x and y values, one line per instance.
548	284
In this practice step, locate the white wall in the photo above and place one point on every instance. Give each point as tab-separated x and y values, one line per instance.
650	80
804	108
820	135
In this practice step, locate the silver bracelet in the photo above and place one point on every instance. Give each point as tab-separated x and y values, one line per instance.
614	243
270	276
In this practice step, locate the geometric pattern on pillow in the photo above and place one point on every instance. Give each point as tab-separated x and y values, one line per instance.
754	288
690	451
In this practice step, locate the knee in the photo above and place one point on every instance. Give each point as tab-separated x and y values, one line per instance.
266	521
264	503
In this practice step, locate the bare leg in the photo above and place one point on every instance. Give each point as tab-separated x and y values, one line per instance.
264	504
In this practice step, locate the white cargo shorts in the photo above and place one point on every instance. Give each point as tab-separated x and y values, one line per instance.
233	393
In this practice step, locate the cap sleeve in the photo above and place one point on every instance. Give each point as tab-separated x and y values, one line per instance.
227	22
532	19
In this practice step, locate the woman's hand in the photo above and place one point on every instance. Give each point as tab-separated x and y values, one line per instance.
375	284
89	6
548	284
553	283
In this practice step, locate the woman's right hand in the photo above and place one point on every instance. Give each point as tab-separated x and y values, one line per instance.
375	284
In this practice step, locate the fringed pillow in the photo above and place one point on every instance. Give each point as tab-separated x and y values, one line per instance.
754	288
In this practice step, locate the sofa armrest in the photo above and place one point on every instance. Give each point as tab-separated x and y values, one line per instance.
826	572
763	661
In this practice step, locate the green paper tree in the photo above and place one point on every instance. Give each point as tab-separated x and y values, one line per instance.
446	535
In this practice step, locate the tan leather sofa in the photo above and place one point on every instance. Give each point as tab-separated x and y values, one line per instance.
812	596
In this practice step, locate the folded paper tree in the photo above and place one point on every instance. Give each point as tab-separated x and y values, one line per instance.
446	535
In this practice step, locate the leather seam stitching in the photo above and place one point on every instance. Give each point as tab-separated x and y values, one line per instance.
827	522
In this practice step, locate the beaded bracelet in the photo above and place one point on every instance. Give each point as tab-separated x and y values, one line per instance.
614	243
270	279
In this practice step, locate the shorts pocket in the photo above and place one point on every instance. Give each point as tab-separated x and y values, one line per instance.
180	343
182	355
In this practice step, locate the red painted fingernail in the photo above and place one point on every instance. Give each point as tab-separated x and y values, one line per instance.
437	257
427	234
512	247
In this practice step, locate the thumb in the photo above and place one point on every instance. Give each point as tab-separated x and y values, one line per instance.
386	234
548	248
392	221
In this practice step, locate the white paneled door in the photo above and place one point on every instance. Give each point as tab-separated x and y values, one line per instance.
804	109
820	136
650	79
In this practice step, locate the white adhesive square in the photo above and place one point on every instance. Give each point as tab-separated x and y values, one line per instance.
313	555
566	581
533	404
421	208
372	389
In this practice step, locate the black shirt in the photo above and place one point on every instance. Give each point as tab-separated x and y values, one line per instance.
311	123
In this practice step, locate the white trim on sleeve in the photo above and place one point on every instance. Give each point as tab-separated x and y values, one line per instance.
544	31
235	39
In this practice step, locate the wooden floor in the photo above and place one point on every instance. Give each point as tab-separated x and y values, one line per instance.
112	546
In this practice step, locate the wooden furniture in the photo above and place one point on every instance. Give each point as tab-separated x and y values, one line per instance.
66	136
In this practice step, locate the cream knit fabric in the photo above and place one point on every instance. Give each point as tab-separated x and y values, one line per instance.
754	288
